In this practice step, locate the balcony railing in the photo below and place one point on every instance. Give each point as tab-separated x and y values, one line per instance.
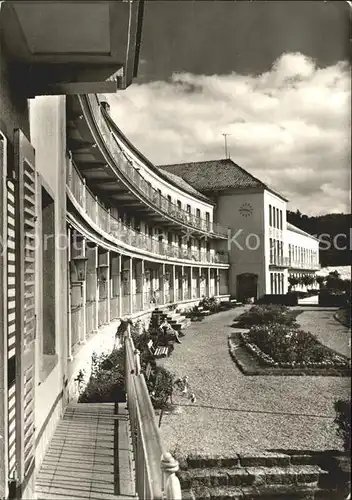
155	468
296	264
102	217
140	183
279	261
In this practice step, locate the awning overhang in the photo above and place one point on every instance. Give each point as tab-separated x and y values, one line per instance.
72	47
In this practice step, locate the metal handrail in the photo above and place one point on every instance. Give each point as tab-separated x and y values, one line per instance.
102	216
155	468
144	187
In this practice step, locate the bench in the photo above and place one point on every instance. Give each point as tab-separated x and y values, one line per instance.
157	351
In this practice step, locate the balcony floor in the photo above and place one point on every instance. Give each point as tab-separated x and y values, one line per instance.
90	456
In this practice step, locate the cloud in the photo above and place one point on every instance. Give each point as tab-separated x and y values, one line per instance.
289	126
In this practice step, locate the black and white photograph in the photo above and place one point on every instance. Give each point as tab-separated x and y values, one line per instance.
175	249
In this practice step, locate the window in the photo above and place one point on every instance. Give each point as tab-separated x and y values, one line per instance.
274	217
207	218
179	204
169	238
277	218
169	200
270	216
198	213
271	283
189	209
271	251
281	219
180	241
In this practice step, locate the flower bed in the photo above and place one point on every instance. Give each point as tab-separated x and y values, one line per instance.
267	314
278	345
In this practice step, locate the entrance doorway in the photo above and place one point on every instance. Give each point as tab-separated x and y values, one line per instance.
247	286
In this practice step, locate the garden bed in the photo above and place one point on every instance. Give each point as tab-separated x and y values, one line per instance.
267	314
344	317
252	361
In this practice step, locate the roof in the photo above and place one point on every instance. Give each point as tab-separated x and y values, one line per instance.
294	229
216	175
185	186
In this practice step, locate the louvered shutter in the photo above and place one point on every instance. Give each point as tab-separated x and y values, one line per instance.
25	228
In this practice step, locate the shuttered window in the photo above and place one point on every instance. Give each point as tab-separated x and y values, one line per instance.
25	230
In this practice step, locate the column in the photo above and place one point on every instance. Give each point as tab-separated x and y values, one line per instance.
96	289
91	283
190	294
119	284
217	282
142	284
130	277
162	281
108	288
182	283
84	298
173	267
208	292
200	283
69	332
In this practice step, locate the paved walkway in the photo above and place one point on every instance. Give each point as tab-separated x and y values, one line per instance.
235	412
89	457
330	332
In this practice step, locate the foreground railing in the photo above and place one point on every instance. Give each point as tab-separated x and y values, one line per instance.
155	469
143	186
102	216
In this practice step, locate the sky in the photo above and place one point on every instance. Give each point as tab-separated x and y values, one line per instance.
274	75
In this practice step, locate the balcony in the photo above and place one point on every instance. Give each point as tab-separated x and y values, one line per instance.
308	266
102	217
68	48
279	261
120	174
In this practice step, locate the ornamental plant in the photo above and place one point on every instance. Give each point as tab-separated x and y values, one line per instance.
267	314
287	345
343	422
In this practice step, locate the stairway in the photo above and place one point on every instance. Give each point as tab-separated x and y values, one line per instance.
269	476
177	320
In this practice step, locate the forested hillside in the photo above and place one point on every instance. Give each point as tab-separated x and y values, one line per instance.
334	232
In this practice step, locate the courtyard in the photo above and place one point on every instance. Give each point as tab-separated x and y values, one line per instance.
234	412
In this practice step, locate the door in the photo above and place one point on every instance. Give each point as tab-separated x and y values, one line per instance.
247	285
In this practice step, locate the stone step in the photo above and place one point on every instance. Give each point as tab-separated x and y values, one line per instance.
297	475
277	492
263	459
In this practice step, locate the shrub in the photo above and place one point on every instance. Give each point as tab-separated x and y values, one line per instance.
107	380
343	422
160	386
267	314
210	304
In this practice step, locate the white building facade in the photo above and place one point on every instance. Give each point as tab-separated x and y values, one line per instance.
264	249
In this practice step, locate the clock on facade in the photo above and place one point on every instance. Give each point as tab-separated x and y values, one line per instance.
246	210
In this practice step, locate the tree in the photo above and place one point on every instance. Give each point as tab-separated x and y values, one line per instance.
293	281
320	280
307	280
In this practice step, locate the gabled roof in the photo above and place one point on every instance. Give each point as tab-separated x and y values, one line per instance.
185	186
216	175
294	229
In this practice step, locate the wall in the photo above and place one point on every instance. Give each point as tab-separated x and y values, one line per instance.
13	115
277	234
48	130
247	244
